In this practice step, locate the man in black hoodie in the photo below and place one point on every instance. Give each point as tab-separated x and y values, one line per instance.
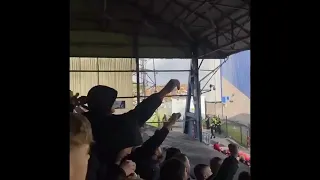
112	133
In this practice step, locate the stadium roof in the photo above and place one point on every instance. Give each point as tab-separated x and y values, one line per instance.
160	28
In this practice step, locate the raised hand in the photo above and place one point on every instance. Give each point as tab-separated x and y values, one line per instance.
122	154
134	176
74	99
82	100
128	167
170	86
172	120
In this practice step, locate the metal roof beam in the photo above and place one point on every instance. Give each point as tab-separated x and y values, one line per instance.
116	45
228	17
227	31
150	16
206	33
208	28
224	46
192	11
175	18
165	7
195	19
231	7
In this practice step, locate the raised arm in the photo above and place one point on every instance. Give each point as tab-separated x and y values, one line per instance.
143	111
149	147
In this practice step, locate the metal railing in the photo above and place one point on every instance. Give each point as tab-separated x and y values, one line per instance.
238	132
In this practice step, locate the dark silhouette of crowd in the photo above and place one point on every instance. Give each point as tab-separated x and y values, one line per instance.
104	146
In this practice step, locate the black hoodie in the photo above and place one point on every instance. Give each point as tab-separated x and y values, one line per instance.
113	133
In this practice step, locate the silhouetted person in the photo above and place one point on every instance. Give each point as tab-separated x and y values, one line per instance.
244	176
202	172
215	164
173	169
207	122
112	133
230	165
185	160
149	155
213	126
172	151
218	125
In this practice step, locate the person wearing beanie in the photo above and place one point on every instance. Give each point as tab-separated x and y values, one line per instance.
112	133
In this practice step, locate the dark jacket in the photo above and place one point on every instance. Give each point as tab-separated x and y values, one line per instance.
227	169
148	168
71	108
97	170
113	133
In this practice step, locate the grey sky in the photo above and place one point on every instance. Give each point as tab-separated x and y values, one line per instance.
169	64
172	64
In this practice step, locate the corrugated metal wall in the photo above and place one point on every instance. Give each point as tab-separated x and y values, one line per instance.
81	82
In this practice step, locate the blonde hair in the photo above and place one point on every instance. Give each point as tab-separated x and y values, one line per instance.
80	130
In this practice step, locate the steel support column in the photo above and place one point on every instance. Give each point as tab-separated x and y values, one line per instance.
136	56
193	119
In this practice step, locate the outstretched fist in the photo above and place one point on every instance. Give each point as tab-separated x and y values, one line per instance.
78	101
170	86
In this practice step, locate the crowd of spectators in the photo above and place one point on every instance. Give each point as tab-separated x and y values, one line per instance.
105	146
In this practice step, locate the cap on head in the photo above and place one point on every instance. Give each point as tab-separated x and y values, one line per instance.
101	98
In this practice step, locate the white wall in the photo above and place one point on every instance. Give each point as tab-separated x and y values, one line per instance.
210	64
179	105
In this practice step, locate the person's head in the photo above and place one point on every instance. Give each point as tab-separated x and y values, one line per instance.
244	176
184	159
170	152
80	140
202	171
158	155
233	148
215	164
173	169
101	98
